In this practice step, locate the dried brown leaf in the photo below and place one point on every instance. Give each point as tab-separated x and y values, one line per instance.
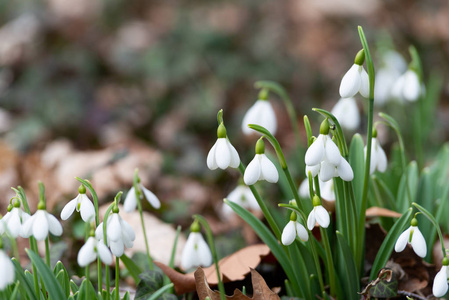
381	212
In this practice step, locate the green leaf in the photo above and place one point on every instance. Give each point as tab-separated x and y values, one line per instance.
26	288
357	162
160	293
385	288
150	282
412	175
133	268
73	287
87	291
347	270
50	282
388	244
64	281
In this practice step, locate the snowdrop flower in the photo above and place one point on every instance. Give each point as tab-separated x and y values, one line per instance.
393	65
82	204
407	86
347	113
8	273
14	219
440	285
378	157
326	189
261	113
222	154
243	196
293	229
131	198
260	168
196	252
318	214
323	158
93	249
118	232
40	224
414	237
356	79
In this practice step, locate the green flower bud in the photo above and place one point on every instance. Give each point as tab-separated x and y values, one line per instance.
360	58
374	132
263	94
41	205
260	146
115	209
414	222
82	189
16	203
324	127
195	227
221	131
293	216
316	200
445	261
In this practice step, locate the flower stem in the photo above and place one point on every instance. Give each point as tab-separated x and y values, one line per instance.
47	252
147	247
117	277
329	261
210	239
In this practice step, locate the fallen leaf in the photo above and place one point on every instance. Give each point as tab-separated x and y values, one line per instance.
381	212
260	289
232	268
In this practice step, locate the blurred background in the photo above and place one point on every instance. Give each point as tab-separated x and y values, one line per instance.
96	88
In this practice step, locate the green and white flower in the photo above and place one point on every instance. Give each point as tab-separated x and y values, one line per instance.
260	168
414	237
82	204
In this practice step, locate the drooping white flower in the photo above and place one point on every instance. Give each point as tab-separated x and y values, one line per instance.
323	158
293	229
414	237
7	273
131	199
222	154
40	224
14	219
347	113
82	204
440	284
261	113
318	215
118	232
356	79
243	196
196	252
392	66
378	157
260	168
93	249
407	86
326	189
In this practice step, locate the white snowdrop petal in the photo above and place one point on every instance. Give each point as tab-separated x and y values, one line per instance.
402	240
303	190
373	160
315	153
130	202
87	210
419	243
327	190
381	159
204	253
345	171
151	198
412	87
440	285
53	224
113	229
322	216
236	194
7	272
268	170
350	83
188	256
99	232
87	254
288	234
40	230
267	118
398	87
314	170
104	253
252	172
117	247
14	223
385	79
235	158
222	154
127	241
347	113
68	209
250	118
364	83
250	199
127	230
27	227
211	163
331	151
311	220
327	171
301	232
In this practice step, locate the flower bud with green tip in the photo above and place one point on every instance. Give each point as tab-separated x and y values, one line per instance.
14	218
293	229
41	224
7	273
196	252
356	79
222	154
440	285
378	157
414	237
92	249
82	204
260	168
318	214
261	113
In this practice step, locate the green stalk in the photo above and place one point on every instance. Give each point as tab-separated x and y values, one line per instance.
210	239
117	276
361	223
15	250
47	253
139	207
266	212
434	222
329	262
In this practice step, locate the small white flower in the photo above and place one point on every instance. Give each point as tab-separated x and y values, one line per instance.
222	154
440	286
291	230
119	234
318	215
414	237
93	249
378	157
14	220
260	168
407	87
40	224
196	252
261	113
243	196
326	189
7	273
392	66
82	204
323	149
131	200
347	113
355	80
